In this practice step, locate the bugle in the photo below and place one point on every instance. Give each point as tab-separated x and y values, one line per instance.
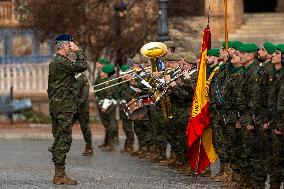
123	75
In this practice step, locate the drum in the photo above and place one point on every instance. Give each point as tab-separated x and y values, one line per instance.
147	101
136	110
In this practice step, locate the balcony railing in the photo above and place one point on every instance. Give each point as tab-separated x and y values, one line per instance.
7	16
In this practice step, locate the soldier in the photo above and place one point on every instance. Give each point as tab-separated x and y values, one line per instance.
63	102
212	61
107	108
228	123
141	127
171	48
82	92
265	81
276	110
99	64
250	119
126	94
185	87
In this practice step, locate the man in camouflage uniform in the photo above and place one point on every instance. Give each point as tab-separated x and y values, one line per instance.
82	92
215	87
276	104
228	115
181	93
142	127
125	95
250	119
107	101
63	102
265	81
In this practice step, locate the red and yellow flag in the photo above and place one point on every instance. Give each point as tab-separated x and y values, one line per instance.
200	149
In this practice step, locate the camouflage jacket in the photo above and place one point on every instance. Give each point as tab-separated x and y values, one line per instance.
181	99
232	93
216	94
109	93
274	86
265	82
82	92
249	104
61	82
280	102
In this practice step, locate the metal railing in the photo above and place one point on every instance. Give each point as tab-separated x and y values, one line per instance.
7	15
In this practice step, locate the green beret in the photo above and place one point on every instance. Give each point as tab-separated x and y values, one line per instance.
124	68
171	57
230	44
104	61
280	47
190	58
236	45
108	69
169	44
270	48
249	47
214	52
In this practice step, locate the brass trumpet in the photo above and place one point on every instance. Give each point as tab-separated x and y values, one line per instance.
114	79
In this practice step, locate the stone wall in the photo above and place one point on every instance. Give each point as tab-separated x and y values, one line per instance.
235	17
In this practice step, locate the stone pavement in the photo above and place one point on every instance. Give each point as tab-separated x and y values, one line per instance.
24	130
26	163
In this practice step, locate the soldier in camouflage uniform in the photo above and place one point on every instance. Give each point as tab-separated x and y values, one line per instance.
125	95
228	116
107	108
181	93
63	102
215	87
82	92
275	104
250	119
265	81
142	127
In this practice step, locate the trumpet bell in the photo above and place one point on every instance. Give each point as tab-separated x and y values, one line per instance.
153	49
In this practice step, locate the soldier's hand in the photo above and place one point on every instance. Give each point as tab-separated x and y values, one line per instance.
186	74
156	74
265	126
277	132
238	125
74	47
250	127
172	84
168	78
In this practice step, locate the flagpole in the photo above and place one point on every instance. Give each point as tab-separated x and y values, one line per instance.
226	23
198	157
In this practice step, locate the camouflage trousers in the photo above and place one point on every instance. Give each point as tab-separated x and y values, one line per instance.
83	118
127	126
142	129
158	128
277	174
218	139
176	128
62	134
108	120
252	165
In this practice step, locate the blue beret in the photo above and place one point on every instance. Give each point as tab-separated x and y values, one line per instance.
64	37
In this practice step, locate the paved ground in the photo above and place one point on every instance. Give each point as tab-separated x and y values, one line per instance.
26	163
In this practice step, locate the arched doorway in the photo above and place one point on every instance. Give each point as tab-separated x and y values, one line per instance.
251	6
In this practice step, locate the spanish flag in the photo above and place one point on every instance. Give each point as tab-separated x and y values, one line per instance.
200	148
